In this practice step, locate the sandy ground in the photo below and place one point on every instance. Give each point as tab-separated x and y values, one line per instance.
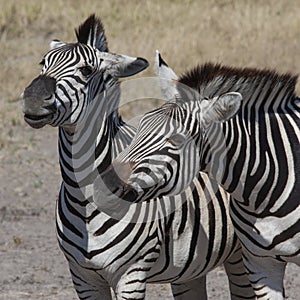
31	264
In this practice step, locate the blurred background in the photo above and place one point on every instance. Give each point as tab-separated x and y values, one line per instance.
257	33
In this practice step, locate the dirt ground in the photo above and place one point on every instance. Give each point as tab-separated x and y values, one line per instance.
259	33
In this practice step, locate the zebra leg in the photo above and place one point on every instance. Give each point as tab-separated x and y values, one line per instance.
191	290
266	276
239	284
88	284
132	285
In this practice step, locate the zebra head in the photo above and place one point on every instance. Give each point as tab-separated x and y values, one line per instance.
165	154
72	75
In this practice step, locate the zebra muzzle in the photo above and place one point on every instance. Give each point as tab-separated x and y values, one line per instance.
115	178
38	102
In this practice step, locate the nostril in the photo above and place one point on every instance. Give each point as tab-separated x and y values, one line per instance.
48	98
129	194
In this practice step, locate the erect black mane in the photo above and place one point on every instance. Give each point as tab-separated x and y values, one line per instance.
218	77
92	32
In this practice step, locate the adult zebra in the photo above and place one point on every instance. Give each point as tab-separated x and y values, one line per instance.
78	91
252	151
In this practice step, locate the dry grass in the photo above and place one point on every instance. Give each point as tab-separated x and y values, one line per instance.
260	33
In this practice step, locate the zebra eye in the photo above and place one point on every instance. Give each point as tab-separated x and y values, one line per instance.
86	70
176	139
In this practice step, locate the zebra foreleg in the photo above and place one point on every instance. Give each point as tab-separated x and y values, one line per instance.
191	290
266	276
239	284
132	285
89	285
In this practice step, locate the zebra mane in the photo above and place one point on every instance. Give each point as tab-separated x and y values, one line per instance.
214	79
91	32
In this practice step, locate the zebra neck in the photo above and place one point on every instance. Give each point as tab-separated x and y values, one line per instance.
220	155
252	157
89	150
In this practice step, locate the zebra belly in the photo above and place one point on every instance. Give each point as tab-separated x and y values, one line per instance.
186	267
204	243
112	250
270	236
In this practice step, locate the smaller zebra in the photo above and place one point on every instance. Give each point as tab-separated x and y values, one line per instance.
249	144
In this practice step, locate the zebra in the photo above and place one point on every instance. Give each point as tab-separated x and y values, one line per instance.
241	126
167	240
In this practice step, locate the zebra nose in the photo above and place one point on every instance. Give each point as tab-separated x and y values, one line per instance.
42	87
116	174
115	178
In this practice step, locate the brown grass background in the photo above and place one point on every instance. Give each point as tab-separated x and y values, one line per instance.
257	33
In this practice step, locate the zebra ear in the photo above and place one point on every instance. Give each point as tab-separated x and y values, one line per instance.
167	78
56	44
162	69
91	33
119	66
220	109
129	66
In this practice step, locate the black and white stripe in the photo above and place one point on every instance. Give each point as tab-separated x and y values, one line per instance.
173	240
255	156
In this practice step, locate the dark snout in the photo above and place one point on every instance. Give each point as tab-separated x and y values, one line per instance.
116	178
41	87
38	101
